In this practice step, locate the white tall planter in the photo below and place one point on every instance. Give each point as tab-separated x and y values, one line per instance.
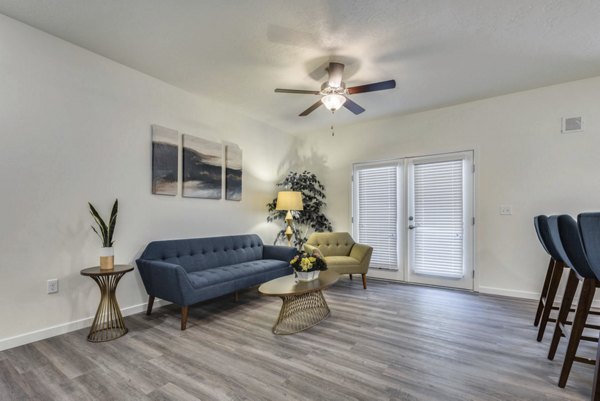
107	258
308	276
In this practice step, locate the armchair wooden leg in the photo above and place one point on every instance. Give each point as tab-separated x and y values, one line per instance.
364	277
236	296
184	316
150	303
350	276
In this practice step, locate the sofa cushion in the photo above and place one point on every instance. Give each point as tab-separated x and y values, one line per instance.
197	254
231	273
342	264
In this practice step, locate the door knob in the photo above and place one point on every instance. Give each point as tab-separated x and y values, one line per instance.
411	227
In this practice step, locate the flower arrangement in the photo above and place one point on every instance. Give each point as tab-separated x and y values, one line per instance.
304	262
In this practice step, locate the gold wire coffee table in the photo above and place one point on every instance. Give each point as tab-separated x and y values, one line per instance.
303	303
108	323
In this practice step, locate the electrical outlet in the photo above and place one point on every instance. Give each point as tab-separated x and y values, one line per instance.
52	286
505	210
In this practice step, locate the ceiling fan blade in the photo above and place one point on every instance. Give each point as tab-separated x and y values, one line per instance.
353	107
378	86
311	109
297	91
335	74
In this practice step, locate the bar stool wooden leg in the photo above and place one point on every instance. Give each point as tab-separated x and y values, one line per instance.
554	282
538	313
583	307
596	385
563	313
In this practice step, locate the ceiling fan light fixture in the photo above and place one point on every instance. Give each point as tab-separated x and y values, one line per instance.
333	101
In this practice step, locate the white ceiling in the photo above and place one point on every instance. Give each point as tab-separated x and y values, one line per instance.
440	52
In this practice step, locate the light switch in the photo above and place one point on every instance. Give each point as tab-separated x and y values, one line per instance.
505	210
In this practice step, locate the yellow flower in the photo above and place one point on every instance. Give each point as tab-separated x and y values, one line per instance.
305	264
294	260
312	259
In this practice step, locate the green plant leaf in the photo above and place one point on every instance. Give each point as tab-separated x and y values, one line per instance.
101	225
113	221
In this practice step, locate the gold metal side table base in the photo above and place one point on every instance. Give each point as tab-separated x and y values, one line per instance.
301	312
108	323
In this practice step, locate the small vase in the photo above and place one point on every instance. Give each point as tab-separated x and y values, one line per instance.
308	276
107	258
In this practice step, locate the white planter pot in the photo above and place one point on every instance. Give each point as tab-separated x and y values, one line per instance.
107	258
308	276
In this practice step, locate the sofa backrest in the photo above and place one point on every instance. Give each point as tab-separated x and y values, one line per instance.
205	253
332	244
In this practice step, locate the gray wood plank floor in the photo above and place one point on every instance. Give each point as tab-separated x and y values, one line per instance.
390	342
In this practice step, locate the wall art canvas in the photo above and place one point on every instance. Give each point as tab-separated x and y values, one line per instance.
233	172
165	160
202	168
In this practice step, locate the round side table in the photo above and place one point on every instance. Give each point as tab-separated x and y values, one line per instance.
108	323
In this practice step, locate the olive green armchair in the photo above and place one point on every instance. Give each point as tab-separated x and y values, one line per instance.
341	253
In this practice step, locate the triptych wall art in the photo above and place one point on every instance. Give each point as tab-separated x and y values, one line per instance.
202	166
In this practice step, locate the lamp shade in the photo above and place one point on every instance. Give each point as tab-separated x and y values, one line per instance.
289	200
333	101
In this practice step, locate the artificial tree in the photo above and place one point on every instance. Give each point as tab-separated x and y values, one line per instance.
313	199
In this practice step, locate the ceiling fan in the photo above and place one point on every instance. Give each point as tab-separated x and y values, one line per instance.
334	93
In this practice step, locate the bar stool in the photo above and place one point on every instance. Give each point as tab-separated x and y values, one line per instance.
553	276
572	245
589	229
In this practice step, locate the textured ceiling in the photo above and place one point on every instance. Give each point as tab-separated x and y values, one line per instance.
439	52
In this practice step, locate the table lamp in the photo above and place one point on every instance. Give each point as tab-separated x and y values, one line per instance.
289	200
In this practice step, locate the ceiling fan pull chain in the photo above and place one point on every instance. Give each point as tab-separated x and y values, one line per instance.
332	131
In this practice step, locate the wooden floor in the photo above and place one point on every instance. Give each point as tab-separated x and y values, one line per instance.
390	342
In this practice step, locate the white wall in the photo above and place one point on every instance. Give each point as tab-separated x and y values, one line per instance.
522	160
76	128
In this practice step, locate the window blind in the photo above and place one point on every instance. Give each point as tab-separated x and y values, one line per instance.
438	214
377	209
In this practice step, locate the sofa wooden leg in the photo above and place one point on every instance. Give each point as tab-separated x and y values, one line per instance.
184	316
236	296
150	303
350	276
364	277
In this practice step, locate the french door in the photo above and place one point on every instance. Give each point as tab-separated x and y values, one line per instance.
417	213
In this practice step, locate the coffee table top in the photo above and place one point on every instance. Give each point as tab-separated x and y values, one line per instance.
287	285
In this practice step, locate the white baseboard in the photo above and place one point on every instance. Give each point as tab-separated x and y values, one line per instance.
530	294
509	293
26	338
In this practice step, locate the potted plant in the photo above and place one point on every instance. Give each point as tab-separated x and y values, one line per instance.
105	232
312	216
308	266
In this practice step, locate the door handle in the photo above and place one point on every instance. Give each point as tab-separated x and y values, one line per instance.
411	227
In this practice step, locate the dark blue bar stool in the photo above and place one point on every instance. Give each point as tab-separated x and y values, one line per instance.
589	229
553	276
573	248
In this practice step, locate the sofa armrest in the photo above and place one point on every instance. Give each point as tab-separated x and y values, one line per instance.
164	280
284	253
362	253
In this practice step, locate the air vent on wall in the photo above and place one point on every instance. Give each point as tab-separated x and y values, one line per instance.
572	124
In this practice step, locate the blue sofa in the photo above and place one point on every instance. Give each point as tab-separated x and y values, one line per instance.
188	271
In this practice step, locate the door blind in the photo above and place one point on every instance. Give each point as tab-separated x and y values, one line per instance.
377	209
438	218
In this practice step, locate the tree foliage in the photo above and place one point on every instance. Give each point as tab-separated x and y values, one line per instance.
313	199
